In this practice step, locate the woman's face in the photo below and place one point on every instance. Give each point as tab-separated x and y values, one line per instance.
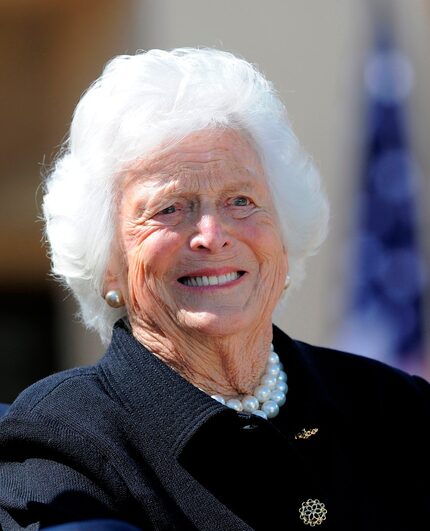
198	240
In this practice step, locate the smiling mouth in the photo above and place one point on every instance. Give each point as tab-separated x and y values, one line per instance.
219	280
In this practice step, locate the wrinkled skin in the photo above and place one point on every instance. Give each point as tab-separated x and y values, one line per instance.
201	207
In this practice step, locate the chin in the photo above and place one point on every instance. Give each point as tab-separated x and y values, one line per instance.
211	324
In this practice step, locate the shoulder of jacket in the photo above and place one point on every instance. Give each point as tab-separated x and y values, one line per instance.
66	383
361	376
352	375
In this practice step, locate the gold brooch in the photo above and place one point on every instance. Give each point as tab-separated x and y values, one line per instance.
313	512
305	434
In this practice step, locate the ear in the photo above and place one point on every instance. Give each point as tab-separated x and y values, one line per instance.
285	255
113	277
111	282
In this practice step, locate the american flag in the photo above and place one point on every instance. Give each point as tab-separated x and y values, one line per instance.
385	318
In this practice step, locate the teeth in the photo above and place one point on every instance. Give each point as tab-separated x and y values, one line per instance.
210	281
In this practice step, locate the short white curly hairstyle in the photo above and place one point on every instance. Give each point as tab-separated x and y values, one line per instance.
139	102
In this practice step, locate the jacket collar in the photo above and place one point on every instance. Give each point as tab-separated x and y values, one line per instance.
168	406
172	410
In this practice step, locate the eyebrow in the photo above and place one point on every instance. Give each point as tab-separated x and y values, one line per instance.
173	189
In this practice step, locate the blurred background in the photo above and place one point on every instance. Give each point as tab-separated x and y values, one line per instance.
355	78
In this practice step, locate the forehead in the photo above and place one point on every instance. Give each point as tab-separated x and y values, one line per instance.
209	153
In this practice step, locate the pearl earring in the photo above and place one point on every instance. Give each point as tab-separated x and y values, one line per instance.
114	298
287	282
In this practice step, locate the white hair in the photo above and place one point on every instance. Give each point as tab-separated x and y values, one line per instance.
139	102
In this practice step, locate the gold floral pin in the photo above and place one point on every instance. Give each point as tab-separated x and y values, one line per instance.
313	512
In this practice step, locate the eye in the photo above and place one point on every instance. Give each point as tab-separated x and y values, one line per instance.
169	210
241	201
172	214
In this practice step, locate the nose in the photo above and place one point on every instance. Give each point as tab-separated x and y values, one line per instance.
211	234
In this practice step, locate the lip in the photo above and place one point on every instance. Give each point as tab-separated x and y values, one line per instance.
213	272
209	272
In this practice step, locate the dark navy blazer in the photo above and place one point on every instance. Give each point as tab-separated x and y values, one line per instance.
129	439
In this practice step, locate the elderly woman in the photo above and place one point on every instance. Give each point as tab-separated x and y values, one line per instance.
179	213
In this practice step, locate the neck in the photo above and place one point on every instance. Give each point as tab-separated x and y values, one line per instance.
229	365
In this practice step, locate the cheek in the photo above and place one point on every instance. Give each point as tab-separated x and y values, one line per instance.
265	240
158	250
266	243
145	245
149	260
136	276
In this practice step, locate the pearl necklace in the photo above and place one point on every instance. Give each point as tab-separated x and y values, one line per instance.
268	396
